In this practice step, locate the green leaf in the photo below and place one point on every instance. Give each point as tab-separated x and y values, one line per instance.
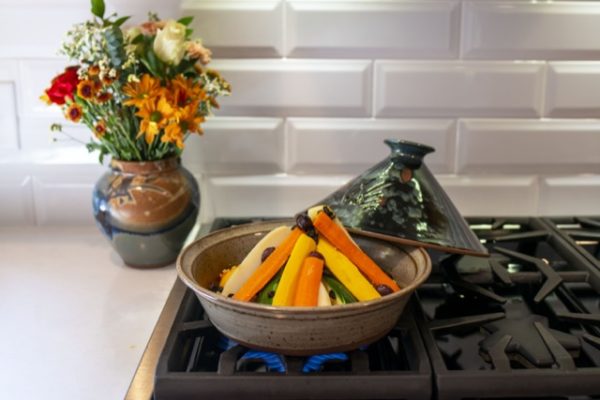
121	21
185	20
188	33
98	8
114	41
138	39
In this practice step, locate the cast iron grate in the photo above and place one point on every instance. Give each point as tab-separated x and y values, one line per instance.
582	233
523	324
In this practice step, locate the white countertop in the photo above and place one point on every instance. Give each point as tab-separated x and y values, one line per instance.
74	319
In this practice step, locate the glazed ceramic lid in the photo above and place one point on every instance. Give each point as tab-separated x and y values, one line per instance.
400	200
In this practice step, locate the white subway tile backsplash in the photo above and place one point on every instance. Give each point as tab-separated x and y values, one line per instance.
573	89
531	30
63	204
35	133
63	188
529	146
570	195
269	195
372	29
300	121
458	89
30	30
492	195
297	87
235	146
341	146
8	118
238	28
17	200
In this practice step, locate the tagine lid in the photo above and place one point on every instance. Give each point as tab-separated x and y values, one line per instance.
399	200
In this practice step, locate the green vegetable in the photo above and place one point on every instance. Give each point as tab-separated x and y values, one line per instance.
265	296
342	295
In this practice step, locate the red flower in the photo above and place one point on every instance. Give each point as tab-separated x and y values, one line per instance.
63	86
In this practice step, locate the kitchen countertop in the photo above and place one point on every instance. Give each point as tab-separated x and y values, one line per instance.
75	319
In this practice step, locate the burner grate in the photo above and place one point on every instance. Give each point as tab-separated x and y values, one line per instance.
522	325
197	360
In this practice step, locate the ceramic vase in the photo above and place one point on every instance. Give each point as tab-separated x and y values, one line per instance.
146	209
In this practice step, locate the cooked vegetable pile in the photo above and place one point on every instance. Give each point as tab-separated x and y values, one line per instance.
315	263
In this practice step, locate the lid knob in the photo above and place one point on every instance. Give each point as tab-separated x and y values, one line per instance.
409	153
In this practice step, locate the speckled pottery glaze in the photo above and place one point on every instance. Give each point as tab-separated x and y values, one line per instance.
146	209
298	330
400	200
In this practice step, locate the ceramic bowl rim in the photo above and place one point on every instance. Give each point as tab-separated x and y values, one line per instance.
213	297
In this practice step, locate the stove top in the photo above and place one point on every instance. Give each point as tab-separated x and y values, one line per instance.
524	323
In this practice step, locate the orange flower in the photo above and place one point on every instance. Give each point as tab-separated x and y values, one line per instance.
142	93
86	89
94	70
186	91
155	115
100	129
103	97
107	80
173	134
189	119
74	112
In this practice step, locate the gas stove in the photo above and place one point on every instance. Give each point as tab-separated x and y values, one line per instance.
524	323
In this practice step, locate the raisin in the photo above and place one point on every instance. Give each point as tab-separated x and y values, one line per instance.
383	290
266	253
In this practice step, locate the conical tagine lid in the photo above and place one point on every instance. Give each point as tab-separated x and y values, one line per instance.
399	200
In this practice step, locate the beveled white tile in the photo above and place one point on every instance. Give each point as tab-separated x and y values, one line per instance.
8	117
350	146
269	195
35	133
17	200
492	195
64	196
238	28
458	89
8	70
372	29
573	89
281	88
35	76
570	195
34	30
528	146
237	146
531	30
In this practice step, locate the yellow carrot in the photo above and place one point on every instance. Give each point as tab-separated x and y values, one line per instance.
267	270
337	236
284	295
309	281
346	272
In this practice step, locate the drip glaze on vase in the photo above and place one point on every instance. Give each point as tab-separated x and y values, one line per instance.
146	209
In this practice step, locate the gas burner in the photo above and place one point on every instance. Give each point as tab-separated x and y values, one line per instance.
527	340
552	278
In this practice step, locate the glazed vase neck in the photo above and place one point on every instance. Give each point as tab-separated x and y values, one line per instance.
145	167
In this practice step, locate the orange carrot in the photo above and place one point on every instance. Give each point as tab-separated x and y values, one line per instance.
338	238
307	291
267	270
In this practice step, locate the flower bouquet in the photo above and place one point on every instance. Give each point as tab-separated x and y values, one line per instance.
141	91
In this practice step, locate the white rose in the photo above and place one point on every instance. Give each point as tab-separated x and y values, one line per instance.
169	42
